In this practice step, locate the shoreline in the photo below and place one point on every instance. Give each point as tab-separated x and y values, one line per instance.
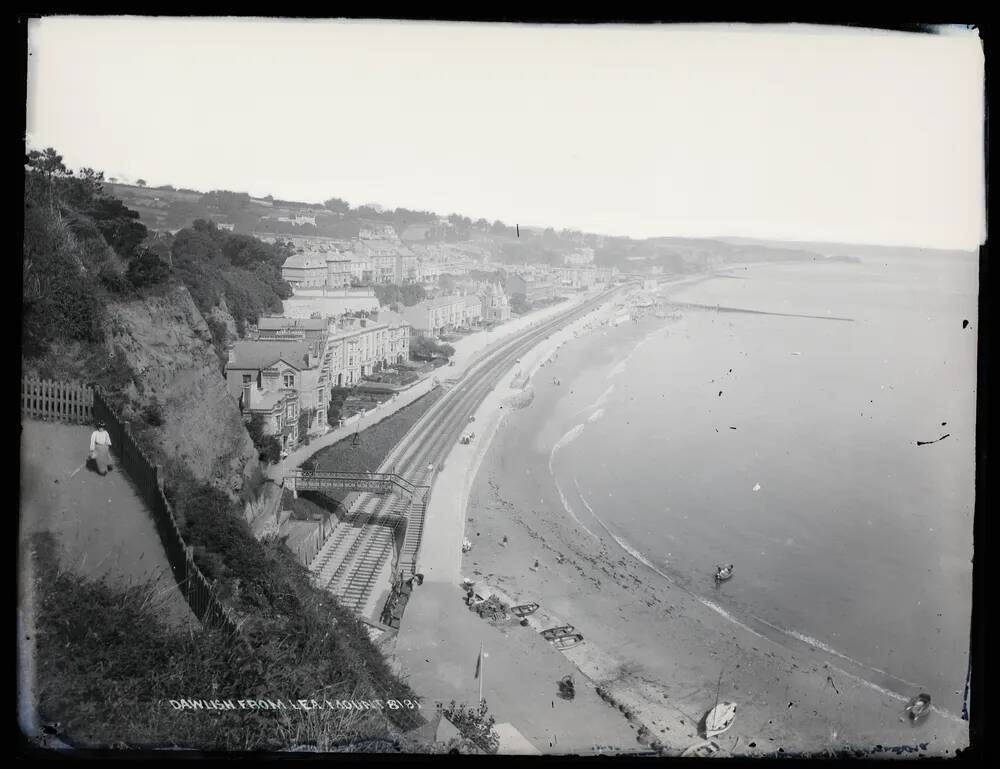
630	686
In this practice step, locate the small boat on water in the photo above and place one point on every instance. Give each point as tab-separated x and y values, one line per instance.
555	632
567	641
720	718
524	609
918	707
722	573
701	750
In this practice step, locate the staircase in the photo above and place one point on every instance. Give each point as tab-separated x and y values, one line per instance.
411	544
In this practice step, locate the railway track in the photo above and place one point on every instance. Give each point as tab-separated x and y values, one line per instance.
350	561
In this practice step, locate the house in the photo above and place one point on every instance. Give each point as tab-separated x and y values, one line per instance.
494	303
358	347
472	314
436	316
579	257
304	270
530	289
277	379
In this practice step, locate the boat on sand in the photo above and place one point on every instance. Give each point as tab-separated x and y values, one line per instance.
555	632
524	609
701	750
918	707
567	641
720	718
722	573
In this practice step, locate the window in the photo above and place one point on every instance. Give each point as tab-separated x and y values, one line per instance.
247	378
289	380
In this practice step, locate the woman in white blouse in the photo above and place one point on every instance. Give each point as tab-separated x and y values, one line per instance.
100	443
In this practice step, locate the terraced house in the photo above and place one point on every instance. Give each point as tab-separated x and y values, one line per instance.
437	316
359	346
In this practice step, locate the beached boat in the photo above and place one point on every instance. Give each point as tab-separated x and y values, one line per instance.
701	750
720	718
567	641
722	573
524	609
918	707
555	632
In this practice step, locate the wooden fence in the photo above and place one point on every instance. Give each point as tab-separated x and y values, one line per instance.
58	401
146	476
75	402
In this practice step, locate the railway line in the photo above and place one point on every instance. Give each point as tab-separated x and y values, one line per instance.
355	554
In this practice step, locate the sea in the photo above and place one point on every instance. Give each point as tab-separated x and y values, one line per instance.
812	424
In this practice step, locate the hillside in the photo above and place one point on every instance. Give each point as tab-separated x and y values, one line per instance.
106	302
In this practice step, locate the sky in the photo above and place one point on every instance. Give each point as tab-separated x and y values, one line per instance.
777	132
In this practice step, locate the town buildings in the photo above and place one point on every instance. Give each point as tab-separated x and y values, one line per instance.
287	366
434	317
531	289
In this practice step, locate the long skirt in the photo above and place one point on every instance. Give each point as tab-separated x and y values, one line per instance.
102	459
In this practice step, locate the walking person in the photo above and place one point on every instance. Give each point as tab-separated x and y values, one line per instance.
100	445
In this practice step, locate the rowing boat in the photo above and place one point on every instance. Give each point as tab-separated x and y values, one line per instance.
918	707
701	750
567	641
555	632
524	609
720	718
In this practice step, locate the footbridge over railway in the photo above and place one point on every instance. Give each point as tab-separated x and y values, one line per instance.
304	479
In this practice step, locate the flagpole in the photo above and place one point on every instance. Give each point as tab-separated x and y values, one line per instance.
482	670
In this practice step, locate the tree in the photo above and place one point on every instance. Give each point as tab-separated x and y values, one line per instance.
446	282
337	205
140	182
147	269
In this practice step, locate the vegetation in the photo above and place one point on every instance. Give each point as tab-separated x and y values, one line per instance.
425	348
83	247
337	397
375	442
112	666
518	305
215	263
475	724
392	295
268	446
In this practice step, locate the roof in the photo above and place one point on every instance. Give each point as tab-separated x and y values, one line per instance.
394	319
266	400
308	324
442	301
304	260
259	355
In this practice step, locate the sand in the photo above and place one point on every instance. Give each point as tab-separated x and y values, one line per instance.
653	648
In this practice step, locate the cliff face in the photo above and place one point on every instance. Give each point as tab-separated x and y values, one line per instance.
168	346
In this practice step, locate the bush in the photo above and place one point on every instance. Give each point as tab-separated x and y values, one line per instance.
475	724
152	413
337	397
270	450
147	269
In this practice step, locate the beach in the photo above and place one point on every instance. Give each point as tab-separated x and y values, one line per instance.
659	642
